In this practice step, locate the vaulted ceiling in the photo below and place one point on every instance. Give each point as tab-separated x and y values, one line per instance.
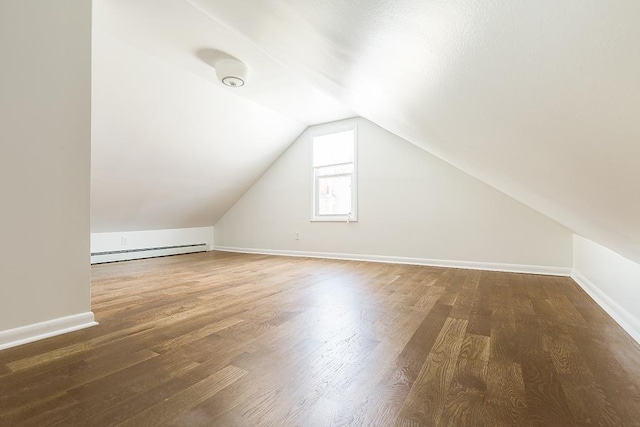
540	99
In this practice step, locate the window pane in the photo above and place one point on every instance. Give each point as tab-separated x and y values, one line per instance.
333	148
334	194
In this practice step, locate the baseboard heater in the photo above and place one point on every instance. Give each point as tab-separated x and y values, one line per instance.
129	254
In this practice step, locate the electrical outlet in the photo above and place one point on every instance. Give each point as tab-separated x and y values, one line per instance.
297	236
124	240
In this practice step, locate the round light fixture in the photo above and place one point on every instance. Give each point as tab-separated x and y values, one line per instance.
231	72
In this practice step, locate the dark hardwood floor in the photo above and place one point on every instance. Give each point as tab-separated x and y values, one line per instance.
229	339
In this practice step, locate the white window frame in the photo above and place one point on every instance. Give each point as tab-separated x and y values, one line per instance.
315	194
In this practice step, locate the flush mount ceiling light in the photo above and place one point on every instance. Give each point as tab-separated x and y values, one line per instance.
231	72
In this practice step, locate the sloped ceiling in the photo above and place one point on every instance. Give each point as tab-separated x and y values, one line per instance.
171	146
540	99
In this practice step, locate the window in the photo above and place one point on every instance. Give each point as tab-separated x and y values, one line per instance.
334	176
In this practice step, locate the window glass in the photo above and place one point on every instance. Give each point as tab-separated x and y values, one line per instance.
334	148
334	195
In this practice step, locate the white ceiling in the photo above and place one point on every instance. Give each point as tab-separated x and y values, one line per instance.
539	98
171	146
170	150
181	35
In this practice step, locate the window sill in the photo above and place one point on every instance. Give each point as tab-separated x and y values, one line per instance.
337	218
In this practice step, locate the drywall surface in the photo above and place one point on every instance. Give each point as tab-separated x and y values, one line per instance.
169	148
410	204
118	241
539	99
612	280
45	82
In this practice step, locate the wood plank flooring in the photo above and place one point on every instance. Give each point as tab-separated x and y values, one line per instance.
242	340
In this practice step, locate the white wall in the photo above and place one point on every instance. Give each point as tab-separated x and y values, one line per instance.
410	205
45	110
612	281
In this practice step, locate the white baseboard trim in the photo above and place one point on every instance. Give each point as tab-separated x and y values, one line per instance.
471	265
42	330
628	322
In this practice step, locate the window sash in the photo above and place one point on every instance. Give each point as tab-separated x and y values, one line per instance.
344	140
317	196
338	168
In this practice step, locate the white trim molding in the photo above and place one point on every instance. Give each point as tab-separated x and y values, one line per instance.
50	328
627	321
471	265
